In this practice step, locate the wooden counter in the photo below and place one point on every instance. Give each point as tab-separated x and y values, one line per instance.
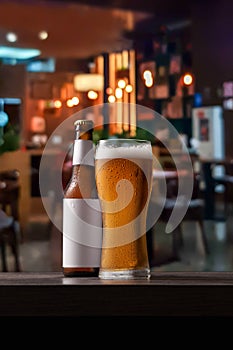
165	294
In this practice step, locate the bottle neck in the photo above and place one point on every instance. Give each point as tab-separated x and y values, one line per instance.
83	134
83	153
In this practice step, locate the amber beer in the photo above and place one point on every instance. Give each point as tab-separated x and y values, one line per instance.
82	222
123	180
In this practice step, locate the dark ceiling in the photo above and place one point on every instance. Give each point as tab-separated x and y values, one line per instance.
174	13
163	8
164	11
82	28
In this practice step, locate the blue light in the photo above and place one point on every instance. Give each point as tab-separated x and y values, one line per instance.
197	100
18	53
41	65
3	116
3	119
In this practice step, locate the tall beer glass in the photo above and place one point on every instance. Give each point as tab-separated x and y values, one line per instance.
124	178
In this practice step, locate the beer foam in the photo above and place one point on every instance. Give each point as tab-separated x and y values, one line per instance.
140	151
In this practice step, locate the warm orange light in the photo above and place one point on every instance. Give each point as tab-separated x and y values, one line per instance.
109	90
57	104
75	100
187	79
147	76
89	81
37	124
92	95
118	93
128	88
121	84
43	35
69	103
111	99
149	82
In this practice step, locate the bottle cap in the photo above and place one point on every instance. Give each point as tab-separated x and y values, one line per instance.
83	122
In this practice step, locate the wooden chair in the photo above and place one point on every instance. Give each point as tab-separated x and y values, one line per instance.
8	235
195	212
9	192
9	215
226	181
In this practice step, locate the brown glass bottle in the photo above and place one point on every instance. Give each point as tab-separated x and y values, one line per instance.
79	257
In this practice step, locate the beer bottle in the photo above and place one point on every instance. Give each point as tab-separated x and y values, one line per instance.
82	223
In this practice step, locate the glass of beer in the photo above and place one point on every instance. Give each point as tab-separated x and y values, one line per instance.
123	170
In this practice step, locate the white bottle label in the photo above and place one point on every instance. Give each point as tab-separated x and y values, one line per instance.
83	152
82	232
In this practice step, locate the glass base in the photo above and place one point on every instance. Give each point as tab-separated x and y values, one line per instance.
124	274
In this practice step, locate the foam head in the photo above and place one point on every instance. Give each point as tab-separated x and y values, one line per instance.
123	148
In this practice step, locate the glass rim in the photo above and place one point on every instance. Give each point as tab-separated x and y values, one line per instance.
122	140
